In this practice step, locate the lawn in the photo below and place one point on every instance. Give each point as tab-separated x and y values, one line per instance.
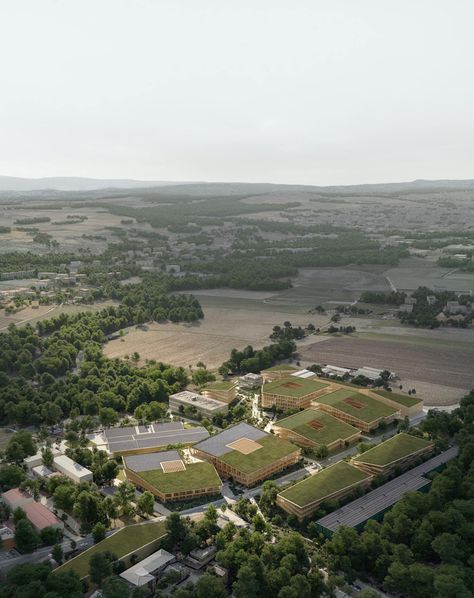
370	409
324	484
121	543
331	429
274	448
293	386
394	448
195	477
220	385
404	400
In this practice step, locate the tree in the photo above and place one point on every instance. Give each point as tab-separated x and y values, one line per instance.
209	586
202	376
146	503
57	553
369	593
18	515
114	587
124	496
108	416
21	445
50	535
48	457
11	476
64	496
26	538
98	532
100	566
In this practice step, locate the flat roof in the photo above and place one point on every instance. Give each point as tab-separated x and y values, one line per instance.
221	385
154	435
199	401
293	386
324	484
71	466
194	476
405	400
273	448
356	404
385	496
40	516
149	461
317	426
392	450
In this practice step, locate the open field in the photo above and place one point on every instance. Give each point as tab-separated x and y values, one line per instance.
324	483
121	543
209	340
195	477
441	374
393	449
273	449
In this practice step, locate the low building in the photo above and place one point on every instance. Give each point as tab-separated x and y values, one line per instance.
277	372
359	410
335	482
409	405
200	557
36	460
250	381
146	572
15	498
132	440
224	391
372	374
167	477
40	517
454	308
291	392
246	454
313	428
75	472
199	403
41	471
376	503
7	538
396	453
303	374
334	370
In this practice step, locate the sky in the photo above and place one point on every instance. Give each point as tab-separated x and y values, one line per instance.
285	91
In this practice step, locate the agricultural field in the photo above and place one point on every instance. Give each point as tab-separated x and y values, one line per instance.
440	371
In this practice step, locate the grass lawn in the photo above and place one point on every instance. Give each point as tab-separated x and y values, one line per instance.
394	448
324	484
274	448
195	477
331	429
123	542
293	386
222	385
405	400
363	407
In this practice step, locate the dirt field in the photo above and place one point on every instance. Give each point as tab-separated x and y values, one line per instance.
441	374
210	340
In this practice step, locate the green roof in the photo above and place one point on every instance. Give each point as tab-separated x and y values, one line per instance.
365	408
123	542
274	448
393	449
220	385
292	386
323	484
332	428
405	400
196	476
281	368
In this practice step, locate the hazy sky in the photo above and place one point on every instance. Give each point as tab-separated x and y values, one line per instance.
294	91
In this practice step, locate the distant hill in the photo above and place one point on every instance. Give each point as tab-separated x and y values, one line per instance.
17	184
9	183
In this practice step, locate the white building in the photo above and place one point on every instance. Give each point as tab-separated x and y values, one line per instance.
145	572
335	370
303	374
250	380
204	405
37	460
72	470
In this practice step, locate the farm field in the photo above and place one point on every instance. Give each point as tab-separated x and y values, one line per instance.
209	340
441	374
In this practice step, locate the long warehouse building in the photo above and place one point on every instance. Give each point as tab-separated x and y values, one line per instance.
374	504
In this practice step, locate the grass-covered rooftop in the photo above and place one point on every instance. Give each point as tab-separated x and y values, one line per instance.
324	484
317	426
121	543
196	476
273	448
365	408
220	385
405	400
292	386
393	449
282	367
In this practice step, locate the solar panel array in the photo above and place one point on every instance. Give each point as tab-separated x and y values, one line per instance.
218	445
376	501
155	435
150	461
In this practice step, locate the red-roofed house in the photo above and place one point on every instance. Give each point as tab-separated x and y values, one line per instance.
41	517
15	498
